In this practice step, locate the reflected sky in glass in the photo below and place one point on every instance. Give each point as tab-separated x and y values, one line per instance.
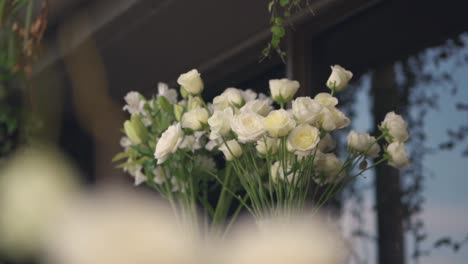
445	211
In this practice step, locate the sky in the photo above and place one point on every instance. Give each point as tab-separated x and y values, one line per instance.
445	211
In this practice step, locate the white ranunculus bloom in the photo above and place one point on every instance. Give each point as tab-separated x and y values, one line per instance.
220	123
304	137
267	145
259	106
169	142
136	172
169	94
283	90
397	127
278	173
195	119
398	155
249	95
326	99
248	126
191	81
231	149
329	167
212	144
339	78
327	144
306	110
278	123
135	103
363	143
331	119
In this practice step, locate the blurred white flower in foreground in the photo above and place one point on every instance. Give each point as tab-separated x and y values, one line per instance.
293	240
35	186
120	228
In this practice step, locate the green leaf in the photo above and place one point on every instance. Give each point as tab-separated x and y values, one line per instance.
165	105
120	156
283	3
275	41
143	150
278	31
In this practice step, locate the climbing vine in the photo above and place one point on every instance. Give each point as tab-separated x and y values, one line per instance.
280	13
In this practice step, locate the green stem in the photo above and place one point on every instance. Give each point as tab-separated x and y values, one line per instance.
221	208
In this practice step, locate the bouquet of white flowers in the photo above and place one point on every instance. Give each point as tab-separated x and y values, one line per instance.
277	151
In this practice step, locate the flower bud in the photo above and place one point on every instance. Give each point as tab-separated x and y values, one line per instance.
231	149
267	145
195	119
282	91
191	82
135	130
339	78
398	155
178	111
396	127
364	144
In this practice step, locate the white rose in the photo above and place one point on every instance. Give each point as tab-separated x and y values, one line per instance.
169	94
304	137
267	145
261	107
306	110
135	103
278	123
363	143
397	127
327	144
282	91
234	97
195	119
220	123
248	126
329	168
169	142
398	155
231	149
339	78
191	82
326	99
249	95
331	119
